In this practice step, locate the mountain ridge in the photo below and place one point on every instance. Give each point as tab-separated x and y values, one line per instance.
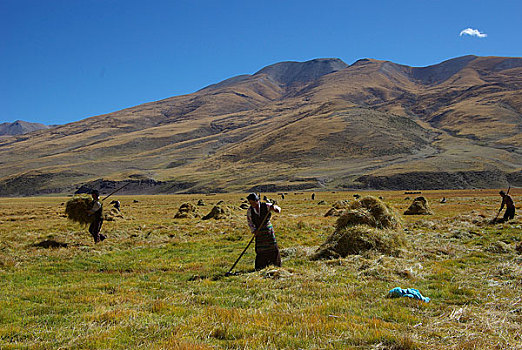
341	125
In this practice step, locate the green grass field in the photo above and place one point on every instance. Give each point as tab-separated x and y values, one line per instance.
158	282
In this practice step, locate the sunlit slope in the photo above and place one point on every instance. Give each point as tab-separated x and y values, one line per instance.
317	123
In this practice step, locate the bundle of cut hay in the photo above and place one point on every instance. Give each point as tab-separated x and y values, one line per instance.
367	224
369	211
112	215
342	204
359	239
419	206
186	210
218	212
333	212
77	209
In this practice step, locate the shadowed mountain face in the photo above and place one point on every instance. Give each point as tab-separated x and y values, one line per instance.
20	127
295	125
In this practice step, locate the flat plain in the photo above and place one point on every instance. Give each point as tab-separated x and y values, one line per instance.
159	283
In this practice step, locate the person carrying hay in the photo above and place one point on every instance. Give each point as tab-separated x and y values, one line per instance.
96	211
258	217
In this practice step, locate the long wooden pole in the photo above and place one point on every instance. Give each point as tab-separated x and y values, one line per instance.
248	245
113	192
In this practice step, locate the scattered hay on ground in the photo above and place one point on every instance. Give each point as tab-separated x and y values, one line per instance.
276	273
499	248
419	206
77	209
218	213
201	203
297	252
187	211
244	206
367	224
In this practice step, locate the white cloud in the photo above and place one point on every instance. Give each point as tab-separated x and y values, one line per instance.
473	32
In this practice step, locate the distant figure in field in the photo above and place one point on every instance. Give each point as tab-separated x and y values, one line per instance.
510	207
313	196
96	210
116	204
258	217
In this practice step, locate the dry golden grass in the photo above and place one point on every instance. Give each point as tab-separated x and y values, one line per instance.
158	282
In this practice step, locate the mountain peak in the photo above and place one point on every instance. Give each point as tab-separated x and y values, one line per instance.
292	72
20	127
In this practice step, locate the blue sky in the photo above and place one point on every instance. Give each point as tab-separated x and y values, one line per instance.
66	60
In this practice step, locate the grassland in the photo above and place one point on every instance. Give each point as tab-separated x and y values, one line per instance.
158	282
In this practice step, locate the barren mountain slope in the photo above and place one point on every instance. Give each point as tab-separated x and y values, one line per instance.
293	125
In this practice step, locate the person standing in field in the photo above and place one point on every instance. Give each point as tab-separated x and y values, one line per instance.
510	206
96	211
258	217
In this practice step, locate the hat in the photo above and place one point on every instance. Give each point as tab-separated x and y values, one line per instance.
253	196
502	193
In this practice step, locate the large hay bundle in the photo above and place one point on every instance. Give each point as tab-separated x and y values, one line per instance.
186	210
77	209
419	206
218	212
367	224
359	239
369	211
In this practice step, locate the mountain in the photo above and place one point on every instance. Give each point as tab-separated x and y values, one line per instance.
320	124
20	127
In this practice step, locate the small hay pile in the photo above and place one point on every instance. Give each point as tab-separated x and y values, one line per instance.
333	212
77	209
342	204
113	215
218	213
419	206
367	224
187	211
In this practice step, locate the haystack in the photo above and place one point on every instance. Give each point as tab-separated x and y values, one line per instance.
359	239
218	212
186	210
369	211
419	206
77	209
367	224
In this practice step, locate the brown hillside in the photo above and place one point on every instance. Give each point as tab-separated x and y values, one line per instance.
295	125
